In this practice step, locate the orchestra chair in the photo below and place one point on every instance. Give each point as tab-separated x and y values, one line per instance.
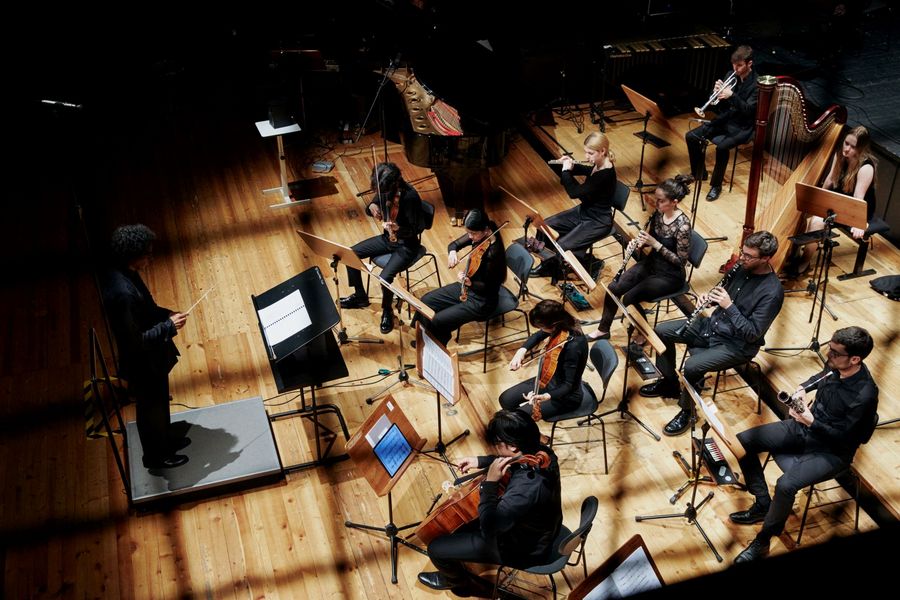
721	374
786	461
737	150
696	252
520	261
605	361
876	225
619	200
565	545
382	260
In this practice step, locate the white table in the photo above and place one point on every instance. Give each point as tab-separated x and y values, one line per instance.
283	191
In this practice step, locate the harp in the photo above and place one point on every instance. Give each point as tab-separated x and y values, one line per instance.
788	147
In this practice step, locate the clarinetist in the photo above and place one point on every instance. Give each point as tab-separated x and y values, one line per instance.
668	235
826	437
731	336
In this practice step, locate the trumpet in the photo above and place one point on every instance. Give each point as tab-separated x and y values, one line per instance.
795	400
559	161
714	97
722	283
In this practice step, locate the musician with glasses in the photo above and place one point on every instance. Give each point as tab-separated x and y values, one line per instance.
732	126
826	436
515	529
747	305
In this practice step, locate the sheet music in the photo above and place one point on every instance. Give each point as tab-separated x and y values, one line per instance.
284	318
437	368
633	576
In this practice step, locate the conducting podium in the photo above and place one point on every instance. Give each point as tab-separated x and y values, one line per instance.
283	192
295	321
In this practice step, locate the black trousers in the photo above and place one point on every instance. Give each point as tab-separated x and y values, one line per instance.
706	354
575	234
466	544
723	141
402	257
451	313
151	394
815	465
637	284
511	398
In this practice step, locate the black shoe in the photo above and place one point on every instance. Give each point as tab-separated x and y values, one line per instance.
755	551
714	193
679	424
539	271
667	388
177	444
355	300
603	336
169	462
435	580
387	321
754	514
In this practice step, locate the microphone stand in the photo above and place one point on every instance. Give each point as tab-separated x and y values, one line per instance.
392	66
597	115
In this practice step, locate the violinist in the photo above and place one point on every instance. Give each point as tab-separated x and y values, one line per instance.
515	527
398	209
556	389
474	297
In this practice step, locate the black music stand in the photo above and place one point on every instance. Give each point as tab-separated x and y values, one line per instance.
378	99
638	323
692	508
650	110
303	353
828	205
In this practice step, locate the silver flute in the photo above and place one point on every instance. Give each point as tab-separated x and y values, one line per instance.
795	400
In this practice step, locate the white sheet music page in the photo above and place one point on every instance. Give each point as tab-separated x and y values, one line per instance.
437	368
633	576
284	318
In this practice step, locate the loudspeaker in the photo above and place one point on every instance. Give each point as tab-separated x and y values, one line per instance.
279	113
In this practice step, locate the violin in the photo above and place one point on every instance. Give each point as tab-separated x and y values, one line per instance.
461	506
473	263
393	204
549	360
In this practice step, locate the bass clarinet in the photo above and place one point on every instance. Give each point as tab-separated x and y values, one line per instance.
630	249
722	283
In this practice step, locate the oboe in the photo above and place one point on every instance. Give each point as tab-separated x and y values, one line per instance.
629	251
795	400
722	283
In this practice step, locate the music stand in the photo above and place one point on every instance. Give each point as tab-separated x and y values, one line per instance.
638	323
378	99
692	508
420	307
828	205
629	571
362	450
295	320
338	252
438	367
650	110
284	191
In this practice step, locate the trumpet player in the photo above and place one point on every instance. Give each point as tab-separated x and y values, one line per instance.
668	235
732	335
734	124
826	436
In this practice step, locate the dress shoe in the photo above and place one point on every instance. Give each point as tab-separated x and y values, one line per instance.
755	551
754	514
435	580
355	300
169	462
178	443
714	193
387	321
667	388
679	424
598	336
539	271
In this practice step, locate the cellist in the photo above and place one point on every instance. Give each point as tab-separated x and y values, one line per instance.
474	297
517	528
556	388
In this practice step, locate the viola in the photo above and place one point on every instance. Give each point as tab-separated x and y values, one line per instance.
549	360
461	506
474	261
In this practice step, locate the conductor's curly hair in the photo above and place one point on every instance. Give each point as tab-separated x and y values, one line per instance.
130	242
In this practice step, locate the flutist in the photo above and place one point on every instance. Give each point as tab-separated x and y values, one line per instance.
736	109
668	235
825	437
732	335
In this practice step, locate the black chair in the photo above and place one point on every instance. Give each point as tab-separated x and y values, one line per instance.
737	150
721	374
519	261
696	252
382	260
566	544
876	226
619	200
605	361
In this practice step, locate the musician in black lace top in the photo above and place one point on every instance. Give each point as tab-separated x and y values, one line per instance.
662	271
581	226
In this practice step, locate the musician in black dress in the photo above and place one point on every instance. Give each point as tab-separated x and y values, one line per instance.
400	197
662	271
733	125
516	529
559	387
146	351
746	307
826	437
581	226
482	283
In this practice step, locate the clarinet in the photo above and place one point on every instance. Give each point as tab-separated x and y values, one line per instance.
629	251
722	283
796	401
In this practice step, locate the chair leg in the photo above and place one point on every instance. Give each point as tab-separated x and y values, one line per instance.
716	384
856	500
552	433
605	463
733	165
552	585
487	325
809	496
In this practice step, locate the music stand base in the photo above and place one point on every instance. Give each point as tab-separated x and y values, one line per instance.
623	411
847	276
813	346
390	531
690	513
